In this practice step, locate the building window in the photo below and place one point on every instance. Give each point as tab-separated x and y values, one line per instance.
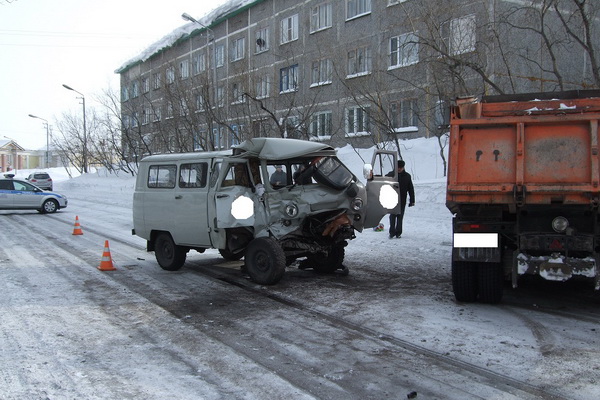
170	75
359	62
220	96
135	122
237	93
403	114
199	102
234	135
156	81
320	17
199	63
458	35
321	125
321	73
289	29
135	89
170	112
146	115
220	54
262	87
262	40
125	93
288	79
404	50
292	127
184	109
145	85
237	49
184	69
157	114
357	8
218	139
357	121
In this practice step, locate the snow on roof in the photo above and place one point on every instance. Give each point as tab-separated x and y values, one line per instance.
210	19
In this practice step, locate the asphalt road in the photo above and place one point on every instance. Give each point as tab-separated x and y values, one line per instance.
71	331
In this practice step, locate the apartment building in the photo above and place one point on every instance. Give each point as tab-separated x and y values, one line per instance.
339	71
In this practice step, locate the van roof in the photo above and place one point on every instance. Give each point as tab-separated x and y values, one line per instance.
263	148
281	149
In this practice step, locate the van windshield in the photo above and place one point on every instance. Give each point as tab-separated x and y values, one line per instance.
328	171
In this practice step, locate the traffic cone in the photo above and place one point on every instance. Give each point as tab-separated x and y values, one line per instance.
77	230
106	263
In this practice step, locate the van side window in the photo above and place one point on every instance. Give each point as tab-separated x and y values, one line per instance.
237	175
193	175
162	176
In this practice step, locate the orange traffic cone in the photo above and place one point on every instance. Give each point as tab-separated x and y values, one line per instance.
106	263
77	230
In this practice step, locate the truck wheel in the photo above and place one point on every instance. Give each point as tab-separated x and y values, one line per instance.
490	283
170	257
329	264
464	281
230	255
265	261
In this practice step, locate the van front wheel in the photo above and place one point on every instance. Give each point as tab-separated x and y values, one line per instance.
170	257
265	261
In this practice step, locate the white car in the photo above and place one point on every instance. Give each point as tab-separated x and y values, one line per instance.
16	194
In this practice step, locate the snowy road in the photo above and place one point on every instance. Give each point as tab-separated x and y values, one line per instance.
389	328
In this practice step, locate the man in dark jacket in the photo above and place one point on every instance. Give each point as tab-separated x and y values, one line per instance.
406	189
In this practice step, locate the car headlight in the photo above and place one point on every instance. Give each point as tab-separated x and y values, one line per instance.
357	204
560	224
291	210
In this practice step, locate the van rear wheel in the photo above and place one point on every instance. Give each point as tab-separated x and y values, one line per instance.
170	257
265	261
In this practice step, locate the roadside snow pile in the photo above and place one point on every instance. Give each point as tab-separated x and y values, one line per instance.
421	155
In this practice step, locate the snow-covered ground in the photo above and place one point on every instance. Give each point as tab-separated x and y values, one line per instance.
399	289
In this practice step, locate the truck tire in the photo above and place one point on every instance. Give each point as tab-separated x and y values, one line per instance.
329	264
464	281
490	282
170	257
265	261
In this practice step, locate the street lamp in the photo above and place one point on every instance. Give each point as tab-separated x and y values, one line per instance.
47	138
84	153
188	17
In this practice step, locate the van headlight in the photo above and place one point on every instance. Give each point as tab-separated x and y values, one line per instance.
291	210
560	224
357	204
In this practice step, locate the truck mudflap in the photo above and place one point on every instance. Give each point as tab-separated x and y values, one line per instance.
557	267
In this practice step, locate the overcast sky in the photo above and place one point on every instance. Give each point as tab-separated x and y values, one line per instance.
47	43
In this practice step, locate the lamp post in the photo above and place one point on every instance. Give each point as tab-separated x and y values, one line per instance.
47	158
84	152
188	17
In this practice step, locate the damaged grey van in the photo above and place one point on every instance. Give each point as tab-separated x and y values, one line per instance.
271	201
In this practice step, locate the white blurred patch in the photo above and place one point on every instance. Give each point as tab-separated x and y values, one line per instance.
479	240
388	197
242	208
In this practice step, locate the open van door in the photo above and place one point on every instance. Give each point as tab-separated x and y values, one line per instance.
383	192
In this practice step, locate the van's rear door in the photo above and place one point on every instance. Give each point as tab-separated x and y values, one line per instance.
383	195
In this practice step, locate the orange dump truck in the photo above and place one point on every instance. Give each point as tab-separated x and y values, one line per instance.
523	185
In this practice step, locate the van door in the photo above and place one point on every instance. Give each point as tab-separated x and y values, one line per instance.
191	205
234	197
383	190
